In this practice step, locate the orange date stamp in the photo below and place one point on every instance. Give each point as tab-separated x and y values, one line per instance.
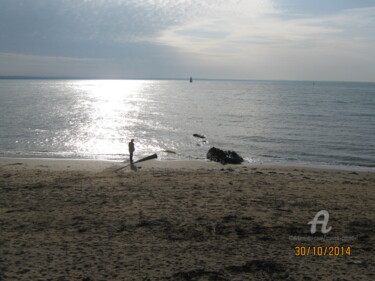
322	251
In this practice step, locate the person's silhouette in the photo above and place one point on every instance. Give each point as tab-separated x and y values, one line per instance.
131	150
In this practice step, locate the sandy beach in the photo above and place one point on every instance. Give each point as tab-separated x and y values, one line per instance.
81	220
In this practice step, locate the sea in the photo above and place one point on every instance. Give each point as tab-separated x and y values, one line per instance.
267	122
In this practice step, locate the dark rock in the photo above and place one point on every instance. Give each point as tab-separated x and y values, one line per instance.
199	136
224	156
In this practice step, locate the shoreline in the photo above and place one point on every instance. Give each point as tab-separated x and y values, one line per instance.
60	164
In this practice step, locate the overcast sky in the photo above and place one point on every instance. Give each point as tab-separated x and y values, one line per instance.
257	39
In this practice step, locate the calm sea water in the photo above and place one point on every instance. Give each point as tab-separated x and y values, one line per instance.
264	121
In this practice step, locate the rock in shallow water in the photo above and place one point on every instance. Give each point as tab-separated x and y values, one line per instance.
224	156
199	136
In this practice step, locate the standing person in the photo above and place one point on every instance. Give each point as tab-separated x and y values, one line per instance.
131	150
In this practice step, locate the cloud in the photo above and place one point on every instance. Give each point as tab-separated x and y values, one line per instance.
61	27
260	23
48	66
11	56
70	27
259	39
108	30
163	38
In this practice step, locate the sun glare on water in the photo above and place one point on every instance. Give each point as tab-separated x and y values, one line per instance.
112	110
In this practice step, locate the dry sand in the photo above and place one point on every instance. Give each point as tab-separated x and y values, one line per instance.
80	220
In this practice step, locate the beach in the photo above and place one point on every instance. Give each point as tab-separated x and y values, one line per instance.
188	220
282	90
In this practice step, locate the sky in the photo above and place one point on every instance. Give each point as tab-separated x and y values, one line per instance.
320	40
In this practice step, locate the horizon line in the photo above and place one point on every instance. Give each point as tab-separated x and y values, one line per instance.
26	77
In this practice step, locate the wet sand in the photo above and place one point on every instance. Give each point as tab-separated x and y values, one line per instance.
69	220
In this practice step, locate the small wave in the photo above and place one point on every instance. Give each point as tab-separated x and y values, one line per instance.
362	114
270	156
